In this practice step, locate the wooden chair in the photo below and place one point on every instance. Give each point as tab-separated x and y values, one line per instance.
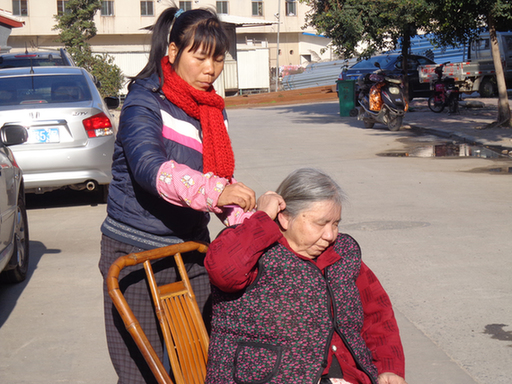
182	325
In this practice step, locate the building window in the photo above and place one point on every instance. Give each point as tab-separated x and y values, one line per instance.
107	8
19	8
222	7
291	8
257	8
186	5
146	8
62	7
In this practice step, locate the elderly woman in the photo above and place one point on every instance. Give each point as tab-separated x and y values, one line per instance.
293	302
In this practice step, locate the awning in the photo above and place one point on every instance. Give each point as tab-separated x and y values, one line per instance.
313	34
237	21
240	21
6	18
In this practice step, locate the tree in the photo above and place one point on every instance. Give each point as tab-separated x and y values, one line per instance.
76	26
458	21
368	26
379	25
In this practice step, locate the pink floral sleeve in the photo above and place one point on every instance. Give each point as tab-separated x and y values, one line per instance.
185	187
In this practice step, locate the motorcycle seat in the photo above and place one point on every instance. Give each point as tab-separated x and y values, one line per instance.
394	81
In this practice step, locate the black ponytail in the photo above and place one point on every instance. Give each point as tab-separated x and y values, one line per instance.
159	45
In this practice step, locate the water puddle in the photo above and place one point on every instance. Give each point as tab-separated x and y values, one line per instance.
493	170
453	150
458	150
497	332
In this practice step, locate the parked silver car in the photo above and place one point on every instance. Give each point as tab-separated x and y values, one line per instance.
36	59
71	132
13	215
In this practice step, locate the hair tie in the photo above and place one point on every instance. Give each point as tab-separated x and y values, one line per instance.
178	13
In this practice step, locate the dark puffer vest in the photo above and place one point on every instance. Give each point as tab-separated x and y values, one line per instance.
280	328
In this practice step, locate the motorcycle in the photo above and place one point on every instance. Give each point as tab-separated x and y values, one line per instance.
381	100
446	94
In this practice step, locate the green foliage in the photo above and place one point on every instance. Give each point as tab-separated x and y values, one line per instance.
109	75
378	25
457	21
367	25
76	28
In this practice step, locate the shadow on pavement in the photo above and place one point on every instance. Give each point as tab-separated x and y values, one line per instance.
10	293
63	198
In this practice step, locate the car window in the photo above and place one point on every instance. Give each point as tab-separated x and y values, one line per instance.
424	61
16	62
43	89
412	63
370	63
508	42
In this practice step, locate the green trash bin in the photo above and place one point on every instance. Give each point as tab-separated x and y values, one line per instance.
346	95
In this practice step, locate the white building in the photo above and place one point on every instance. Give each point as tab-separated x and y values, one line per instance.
122	33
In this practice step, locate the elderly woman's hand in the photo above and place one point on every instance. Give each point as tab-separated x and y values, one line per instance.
271	203
390	378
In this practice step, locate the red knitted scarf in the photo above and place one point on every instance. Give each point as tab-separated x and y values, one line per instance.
207	107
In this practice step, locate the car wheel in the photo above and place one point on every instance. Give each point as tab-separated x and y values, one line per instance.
21	247
488	87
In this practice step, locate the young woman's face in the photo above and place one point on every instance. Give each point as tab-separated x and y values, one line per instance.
197	68
313	230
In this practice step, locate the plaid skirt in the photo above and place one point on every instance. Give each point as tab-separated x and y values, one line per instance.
128	362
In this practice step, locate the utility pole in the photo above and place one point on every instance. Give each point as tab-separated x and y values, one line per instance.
278	30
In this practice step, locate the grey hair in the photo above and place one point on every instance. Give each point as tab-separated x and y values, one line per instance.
306	186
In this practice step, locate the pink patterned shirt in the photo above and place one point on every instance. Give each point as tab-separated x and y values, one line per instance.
185	187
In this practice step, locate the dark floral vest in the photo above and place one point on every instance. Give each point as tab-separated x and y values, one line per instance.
280	328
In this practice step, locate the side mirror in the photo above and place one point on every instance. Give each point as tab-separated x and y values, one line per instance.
96	82
112	102
377	64
13	134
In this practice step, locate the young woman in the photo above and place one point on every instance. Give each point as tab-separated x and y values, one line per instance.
293	302
173	164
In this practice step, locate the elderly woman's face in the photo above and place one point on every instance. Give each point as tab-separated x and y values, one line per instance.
313	230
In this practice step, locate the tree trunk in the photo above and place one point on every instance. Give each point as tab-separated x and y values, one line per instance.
406	43
503	105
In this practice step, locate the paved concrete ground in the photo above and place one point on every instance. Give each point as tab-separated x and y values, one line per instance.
436	231
474	115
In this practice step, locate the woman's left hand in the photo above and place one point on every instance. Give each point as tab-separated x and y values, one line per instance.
390	378
238	194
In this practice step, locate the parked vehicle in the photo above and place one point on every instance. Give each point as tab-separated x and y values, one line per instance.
381	99
446	94
71	132
14	250
477	74
36	59
392	65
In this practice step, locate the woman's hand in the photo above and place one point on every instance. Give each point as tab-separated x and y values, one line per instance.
238	194
271	203
390	378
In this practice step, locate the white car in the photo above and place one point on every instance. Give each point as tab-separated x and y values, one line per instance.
13	214
71	132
